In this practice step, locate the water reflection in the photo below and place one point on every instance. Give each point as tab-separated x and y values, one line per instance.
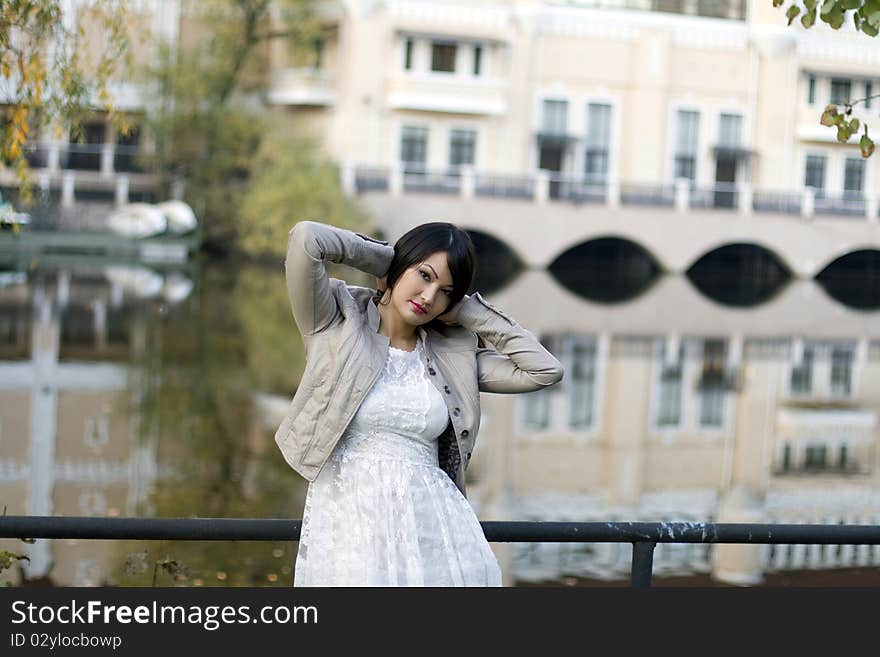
609	270
739	275
854	279
129	389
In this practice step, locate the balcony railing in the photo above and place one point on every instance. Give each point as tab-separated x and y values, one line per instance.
556	187
644	536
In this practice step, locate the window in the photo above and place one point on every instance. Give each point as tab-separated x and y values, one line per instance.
536	416
582	384
443	57
729	130
811	89
414	149
598	140
712	384
842	461
841	371
478	59
815	457
869	91
408	55
669	403
462	147
814	172
853	177
786	457
555	117
802	376
687	137
841	91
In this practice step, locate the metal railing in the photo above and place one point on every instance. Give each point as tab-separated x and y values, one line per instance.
643	536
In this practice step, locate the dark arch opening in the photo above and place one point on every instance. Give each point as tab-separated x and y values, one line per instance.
606	270
854	279
497	264
739	275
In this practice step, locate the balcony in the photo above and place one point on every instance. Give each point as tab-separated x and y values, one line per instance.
302	87
447	93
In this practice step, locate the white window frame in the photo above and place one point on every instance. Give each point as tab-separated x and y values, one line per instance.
701	171
478	139
727	404
668	432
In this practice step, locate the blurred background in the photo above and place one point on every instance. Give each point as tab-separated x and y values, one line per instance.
649	189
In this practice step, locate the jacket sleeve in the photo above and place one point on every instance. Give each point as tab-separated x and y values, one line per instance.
309	245
518	362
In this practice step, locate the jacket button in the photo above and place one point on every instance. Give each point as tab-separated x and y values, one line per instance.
431	371
465	433
446	389
456	412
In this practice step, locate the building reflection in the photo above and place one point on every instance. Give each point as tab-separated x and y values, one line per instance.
676	408
68	438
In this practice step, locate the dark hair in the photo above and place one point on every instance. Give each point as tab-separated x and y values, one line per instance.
417	244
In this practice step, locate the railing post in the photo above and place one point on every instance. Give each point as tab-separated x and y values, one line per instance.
348	179
682	194
871	208
122	185
612	193
642	564
395	181
542	186
177	187
468	182
107	151
53	157
746	198
67	184
808	204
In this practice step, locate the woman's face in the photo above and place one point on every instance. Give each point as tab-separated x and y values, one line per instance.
423	291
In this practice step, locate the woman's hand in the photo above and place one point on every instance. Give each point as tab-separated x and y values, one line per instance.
450	317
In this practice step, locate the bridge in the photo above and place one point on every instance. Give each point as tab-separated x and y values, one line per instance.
540	216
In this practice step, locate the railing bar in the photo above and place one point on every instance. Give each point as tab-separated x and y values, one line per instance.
270	529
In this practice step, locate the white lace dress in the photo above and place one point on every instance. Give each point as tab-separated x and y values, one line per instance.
381	512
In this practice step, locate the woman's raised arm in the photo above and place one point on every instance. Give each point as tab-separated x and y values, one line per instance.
309	245
518	362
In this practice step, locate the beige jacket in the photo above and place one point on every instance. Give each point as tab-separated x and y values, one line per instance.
345	353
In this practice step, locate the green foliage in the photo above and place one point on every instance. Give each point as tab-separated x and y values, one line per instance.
245	179
291	182
8	558
193	387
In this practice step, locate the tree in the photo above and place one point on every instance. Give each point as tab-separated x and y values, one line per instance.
214	132
50	74
865	16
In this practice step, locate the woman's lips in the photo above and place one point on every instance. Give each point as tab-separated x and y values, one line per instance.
418	308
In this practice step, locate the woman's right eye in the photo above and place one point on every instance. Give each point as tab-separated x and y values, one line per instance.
425	275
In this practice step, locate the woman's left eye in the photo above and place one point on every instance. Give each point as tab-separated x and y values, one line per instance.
425	276
448	293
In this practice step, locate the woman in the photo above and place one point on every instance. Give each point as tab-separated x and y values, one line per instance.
384	420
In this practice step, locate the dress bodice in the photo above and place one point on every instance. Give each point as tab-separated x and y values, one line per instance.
402	415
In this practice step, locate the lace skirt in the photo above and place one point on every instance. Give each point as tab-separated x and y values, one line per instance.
382	513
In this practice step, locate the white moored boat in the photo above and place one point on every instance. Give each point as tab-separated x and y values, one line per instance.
180	217
137	220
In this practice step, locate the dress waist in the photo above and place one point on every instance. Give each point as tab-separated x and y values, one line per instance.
385	447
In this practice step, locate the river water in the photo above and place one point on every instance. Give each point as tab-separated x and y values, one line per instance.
153	389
